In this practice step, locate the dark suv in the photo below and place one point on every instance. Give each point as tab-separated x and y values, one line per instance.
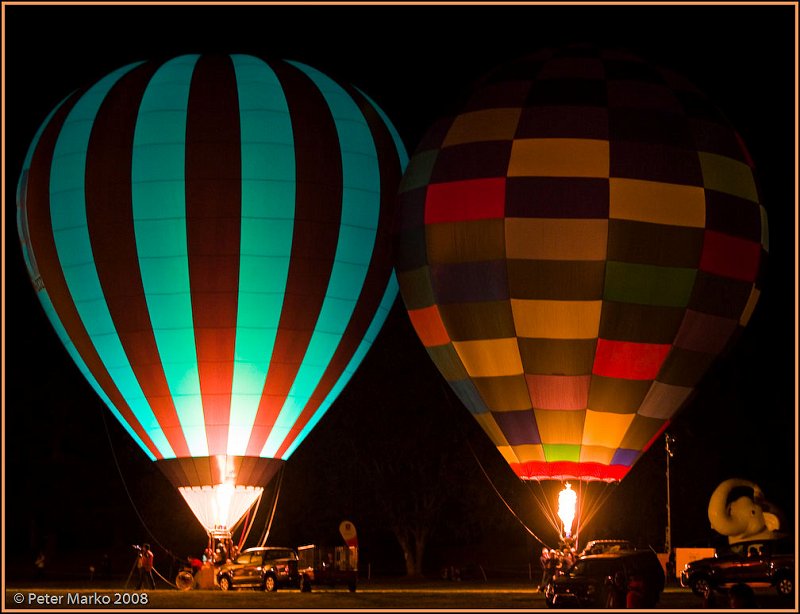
585	585
264	568
755	563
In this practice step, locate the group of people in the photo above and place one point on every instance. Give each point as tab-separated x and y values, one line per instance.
225	552
555	562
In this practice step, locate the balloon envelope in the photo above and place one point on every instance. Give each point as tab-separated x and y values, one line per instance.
209	237
575	248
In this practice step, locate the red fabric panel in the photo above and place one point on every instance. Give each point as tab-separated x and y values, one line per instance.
567	470
380	269
559	391
628	360
109	213
729	256
213	212
318	211
459	201
43	245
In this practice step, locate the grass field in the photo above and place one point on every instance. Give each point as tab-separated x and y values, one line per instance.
372	596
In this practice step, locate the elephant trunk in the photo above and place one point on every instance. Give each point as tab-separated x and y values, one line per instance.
718	508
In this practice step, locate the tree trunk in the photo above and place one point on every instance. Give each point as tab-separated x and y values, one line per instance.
413	548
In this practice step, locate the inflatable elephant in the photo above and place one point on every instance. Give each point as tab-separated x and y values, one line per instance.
737	509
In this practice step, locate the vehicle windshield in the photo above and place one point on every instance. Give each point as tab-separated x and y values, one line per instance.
589	568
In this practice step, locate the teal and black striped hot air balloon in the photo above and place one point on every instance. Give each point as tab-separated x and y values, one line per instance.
209	236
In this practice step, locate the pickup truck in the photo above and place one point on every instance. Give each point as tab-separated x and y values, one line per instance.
761	563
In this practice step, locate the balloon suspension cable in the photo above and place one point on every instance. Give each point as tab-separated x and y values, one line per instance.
246	533
128	492
587	515
449	402
543	502
163	578
497	492
268	526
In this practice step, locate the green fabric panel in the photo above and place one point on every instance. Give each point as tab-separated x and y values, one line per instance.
472	241
619	396
640	323
656	244
648	285
562	452
417	288
419	170
504	393
448	362
557	356
471	321
685	367
640	432
556	279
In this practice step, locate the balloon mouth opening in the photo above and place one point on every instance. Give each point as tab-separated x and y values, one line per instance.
220	489
220	507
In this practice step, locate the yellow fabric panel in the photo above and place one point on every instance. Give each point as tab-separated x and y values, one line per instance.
559	158
557	426
605	429
597	454
503	393
656	202
490	357
764	229
727	175
508	454
557	319
556	239
490	427
751	305
527	453
485	125
475	241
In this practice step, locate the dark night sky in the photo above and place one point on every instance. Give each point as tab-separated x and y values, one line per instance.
416	63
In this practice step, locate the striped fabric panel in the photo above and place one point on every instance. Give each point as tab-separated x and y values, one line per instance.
52	287
213	280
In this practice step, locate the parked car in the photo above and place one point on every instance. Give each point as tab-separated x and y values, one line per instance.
328	566
755	563
265	568
599	546
586	583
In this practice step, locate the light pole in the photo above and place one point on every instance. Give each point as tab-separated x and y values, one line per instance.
667	441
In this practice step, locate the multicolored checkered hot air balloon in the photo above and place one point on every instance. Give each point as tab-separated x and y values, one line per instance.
209	236
575	248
